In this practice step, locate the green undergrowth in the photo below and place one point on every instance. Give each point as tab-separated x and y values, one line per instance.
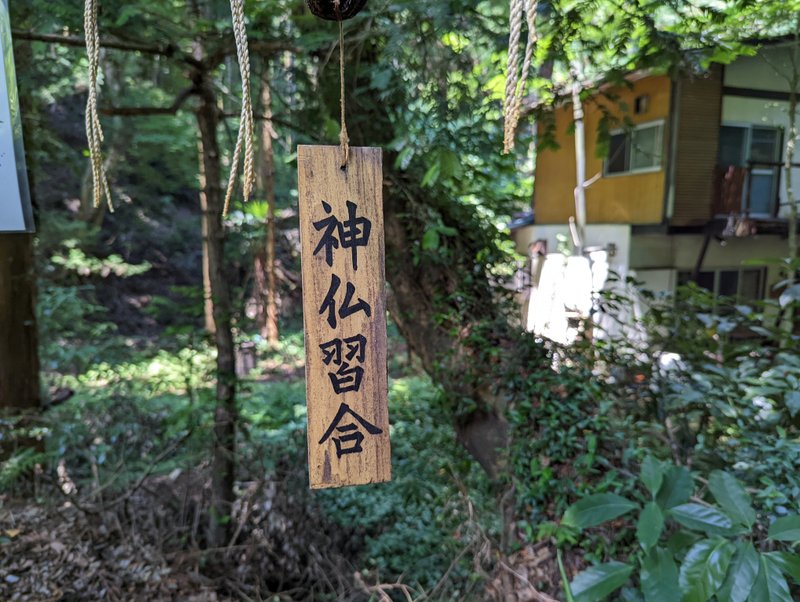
153	415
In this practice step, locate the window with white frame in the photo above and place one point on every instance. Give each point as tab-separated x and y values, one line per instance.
638	149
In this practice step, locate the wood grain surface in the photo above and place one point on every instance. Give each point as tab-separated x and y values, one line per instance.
344	309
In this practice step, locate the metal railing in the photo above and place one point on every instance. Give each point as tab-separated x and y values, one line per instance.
733	188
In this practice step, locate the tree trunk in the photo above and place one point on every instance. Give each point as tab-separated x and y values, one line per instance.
20	389
208	303
439	305
580	157
223	468
19	353
791	142
266	174
417	291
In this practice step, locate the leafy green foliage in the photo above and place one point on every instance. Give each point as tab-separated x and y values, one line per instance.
417	523
659	577
650	525
125	416
597	582
558	422
19	463
770	585
704	568
727	403
742	575
597	509
786	528
732	497
722	562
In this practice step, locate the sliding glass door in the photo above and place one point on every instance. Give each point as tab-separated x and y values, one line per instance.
758	149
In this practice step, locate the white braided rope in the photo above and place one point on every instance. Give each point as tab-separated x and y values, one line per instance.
515	83
94	131
245	141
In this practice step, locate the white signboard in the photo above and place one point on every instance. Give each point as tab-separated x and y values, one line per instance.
15	203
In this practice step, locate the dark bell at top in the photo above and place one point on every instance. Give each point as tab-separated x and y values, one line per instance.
326	9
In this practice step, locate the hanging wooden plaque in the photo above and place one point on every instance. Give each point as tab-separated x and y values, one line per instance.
344	309
16	213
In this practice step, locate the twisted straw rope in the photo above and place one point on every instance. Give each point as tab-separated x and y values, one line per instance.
94	131
245	141
344	139
515	84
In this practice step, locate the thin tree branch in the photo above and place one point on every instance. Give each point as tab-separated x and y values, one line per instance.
262	47
170	50
277	121
146	111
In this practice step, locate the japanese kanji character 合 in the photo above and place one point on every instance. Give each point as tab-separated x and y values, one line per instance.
349	432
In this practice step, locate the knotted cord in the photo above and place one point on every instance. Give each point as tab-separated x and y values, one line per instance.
515	82
94	131
344	139
245	141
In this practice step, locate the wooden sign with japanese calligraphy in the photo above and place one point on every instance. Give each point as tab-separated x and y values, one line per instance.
341	230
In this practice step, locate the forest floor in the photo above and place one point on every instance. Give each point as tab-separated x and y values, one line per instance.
52	552
118	502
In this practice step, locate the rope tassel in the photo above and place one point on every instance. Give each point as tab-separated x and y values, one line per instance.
515	82
245	141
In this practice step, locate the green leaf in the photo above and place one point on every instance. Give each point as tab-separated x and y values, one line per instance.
430	240
652	474
676	487
650	525
597	582
770	585
628	594
680	541
742	575
432	175
792	401
659	577
596	509
789	295
450	164
787	562
731	495
786	529
702	518
704	568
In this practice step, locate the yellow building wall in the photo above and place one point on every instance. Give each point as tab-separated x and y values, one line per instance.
627	198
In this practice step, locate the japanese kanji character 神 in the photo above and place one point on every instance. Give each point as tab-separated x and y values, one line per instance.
328	240
352	233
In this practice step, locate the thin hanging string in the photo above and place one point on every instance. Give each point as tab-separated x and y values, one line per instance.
245	141
344	139
94	131
515	82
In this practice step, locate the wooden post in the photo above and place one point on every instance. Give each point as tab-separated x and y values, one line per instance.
341	228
